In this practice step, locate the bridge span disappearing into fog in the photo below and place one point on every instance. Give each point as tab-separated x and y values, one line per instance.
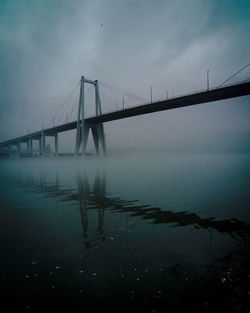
95	124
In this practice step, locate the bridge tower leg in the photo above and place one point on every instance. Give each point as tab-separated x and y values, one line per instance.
96	140
79	128
102	137
100	127
82	130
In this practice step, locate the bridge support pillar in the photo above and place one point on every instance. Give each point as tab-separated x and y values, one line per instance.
56	145
43	144
40	146
30	145
19	148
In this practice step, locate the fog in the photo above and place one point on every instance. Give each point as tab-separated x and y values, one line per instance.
169	45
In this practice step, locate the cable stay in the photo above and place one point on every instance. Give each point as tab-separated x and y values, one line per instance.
233	75
64	104
124	92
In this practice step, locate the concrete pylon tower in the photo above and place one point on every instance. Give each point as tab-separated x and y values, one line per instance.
82	129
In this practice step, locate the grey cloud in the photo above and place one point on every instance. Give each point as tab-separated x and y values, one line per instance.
47	45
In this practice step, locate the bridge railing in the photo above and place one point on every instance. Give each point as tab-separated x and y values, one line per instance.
174	97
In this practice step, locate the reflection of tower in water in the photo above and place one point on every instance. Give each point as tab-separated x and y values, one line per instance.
96	200
86	197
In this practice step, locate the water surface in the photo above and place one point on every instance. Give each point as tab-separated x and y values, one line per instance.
123	232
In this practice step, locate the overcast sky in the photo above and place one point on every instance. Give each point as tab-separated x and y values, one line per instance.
46	45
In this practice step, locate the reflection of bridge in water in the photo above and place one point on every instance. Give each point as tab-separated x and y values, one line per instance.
97	198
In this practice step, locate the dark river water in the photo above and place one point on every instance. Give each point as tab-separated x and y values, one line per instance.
127	233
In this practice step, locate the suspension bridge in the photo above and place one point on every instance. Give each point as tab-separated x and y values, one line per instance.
95	122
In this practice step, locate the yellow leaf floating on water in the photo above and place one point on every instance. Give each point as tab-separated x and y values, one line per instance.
223	280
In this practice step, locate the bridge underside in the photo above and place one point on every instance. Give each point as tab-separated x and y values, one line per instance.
94	123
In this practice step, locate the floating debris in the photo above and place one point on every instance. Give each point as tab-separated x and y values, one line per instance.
81	271
27	276
94	274
58	267
112	238
33	262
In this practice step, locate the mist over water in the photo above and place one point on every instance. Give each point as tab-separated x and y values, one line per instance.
134	230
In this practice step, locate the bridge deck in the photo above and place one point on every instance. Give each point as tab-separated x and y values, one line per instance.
233	91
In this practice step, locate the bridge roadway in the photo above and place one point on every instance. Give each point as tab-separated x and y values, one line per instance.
237	90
